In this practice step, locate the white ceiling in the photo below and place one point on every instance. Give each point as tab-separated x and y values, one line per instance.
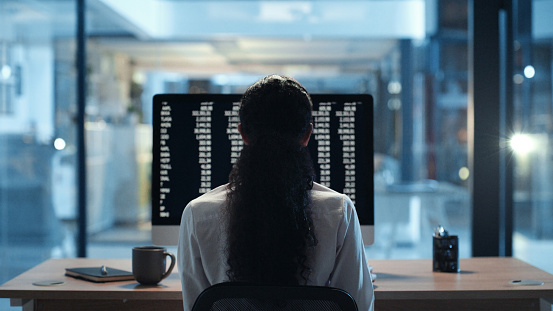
254	55
196	55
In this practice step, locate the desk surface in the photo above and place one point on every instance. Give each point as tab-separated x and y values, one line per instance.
480	278
54	269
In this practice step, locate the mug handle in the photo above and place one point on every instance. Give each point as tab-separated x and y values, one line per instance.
166	274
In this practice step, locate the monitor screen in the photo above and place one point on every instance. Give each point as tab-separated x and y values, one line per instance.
196	142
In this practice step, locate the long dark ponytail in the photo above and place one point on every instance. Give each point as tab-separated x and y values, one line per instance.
270	228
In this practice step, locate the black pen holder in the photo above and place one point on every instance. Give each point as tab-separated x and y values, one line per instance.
445	252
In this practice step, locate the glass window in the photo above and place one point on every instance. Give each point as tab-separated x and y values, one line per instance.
416	71
37	91
533	132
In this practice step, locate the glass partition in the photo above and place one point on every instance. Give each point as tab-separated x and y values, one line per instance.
416	71
532	133
37	91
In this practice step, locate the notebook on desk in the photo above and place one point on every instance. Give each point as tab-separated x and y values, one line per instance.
99	274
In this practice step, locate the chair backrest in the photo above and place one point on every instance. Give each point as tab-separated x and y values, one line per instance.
243	296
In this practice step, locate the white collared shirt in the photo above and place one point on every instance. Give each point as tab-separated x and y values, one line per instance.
338	259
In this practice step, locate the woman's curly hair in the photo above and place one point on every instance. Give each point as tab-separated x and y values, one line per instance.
270	229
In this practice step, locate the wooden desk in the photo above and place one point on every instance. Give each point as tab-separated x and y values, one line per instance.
483	284
77	294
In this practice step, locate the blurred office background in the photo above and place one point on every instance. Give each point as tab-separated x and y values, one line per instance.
411	55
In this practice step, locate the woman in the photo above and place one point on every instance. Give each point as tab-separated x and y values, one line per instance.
271	223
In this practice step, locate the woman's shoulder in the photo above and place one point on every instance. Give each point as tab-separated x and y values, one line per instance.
326	200
207	205
217	195
321	191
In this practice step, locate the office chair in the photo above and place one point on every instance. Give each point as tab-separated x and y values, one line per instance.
234	296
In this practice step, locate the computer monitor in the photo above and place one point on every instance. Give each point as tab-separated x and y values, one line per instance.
196	142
